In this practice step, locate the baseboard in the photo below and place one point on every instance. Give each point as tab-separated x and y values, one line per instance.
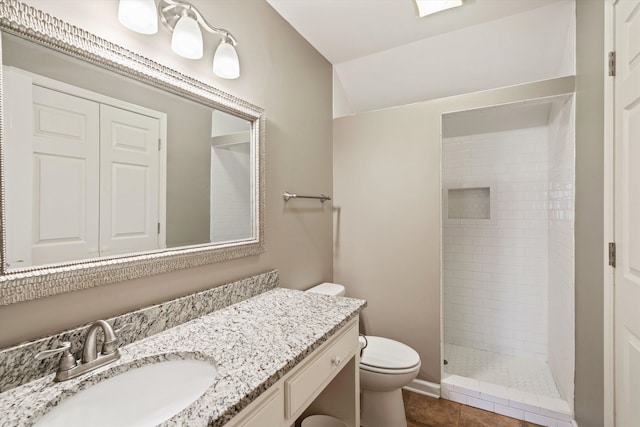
424	387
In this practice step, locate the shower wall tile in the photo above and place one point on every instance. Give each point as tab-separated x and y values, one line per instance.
496	272
230	168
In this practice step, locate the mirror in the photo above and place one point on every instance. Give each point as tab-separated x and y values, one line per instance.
115	167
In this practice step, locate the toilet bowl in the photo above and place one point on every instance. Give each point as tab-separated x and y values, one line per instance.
385	367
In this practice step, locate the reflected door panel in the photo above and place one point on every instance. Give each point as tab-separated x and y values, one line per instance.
130	163
84	177
65	186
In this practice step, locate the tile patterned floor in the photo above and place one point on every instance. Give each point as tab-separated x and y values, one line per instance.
528	375
424	411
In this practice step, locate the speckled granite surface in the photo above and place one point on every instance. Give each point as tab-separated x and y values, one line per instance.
253	343
143	323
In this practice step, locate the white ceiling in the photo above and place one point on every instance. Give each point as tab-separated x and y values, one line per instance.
384	55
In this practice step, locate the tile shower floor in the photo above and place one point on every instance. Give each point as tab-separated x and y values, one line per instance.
508	385
528	375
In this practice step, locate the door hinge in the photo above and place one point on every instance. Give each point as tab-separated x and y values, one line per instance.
159	144
158	228
612	254
612	63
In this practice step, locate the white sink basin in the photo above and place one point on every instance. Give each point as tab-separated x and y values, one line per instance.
144	396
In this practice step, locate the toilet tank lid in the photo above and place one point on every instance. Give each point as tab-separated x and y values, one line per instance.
327	288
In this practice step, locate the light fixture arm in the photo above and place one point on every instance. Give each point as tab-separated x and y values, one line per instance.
170	11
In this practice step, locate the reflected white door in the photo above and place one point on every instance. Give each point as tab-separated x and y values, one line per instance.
64	162
129	158
627	216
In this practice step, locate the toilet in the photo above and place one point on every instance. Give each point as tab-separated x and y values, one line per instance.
385	367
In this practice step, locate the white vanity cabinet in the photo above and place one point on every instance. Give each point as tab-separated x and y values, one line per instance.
325	382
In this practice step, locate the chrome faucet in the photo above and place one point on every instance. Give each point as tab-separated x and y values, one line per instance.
89	352
70	368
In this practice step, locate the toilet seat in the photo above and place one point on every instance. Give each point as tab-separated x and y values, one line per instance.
386	356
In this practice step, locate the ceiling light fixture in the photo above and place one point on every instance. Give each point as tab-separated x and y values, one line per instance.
428	7
185	22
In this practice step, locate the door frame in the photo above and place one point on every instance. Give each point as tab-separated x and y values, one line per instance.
609	218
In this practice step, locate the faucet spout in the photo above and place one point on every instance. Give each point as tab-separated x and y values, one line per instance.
70	368
90	352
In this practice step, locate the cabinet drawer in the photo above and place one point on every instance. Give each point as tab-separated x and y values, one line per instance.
310	378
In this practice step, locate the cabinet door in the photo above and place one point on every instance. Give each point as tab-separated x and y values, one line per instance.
63	165
129	175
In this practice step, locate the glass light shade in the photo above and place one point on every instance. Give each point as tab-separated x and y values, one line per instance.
187	38
225	61
428	7
138	15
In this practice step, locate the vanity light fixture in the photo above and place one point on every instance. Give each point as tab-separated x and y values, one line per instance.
225	60
186	24
138	15
428	7
187	38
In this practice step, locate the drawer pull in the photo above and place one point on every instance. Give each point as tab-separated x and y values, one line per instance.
336	360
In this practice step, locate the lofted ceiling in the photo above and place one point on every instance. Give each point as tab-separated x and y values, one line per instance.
384	55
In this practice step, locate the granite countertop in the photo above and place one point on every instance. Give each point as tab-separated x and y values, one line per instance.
253	344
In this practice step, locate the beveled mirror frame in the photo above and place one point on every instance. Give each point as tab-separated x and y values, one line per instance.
37	282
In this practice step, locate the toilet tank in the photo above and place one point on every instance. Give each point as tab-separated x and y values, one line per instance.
327	288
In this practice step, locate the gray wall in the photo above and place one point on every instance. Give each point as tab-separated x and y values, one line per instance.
387	226
387	238
280	72
188	175
589	238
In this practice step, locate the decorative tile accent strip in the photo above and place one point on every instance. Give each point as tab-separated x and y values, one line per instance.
253	343
18	366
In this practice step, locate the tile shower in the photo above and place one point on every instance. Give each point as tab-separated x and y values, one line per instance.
508	308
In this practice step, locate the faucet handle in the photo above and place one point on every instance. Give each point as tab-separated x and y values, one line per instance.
66	346
111	344
67	361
